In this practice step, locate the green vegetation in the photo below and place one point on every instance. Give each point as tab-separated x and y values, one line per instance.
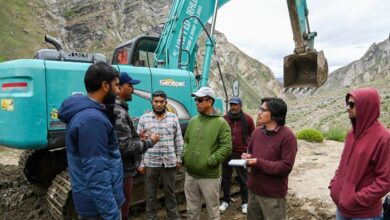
335	134
69	13
2	58
311	135
20	32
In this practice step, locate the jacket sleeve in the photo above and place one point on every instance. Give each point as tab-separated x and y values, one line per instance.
381	185
93	149
178	141
224	148
129	142
283	166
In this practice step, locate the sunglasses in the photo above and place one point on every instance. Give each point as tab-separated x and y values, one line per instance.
261	109
201	99
351	105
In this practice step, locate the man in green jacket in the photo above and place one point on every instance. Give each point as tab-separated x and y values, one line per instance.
207	143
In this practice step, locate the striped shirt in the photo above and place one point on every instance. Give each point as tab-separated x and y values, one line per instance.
168	150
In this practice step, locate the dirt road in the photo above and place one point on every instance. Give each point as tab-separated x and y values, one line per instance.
308	196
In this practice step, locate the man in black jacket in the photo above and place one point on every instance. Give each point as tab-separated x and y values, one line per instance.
130	144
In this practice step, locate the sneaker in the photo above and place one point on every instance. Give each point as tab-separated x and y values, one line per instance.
244	208
223	206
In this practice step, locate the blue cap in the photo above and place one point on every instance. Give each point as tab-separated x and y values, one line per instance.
235	100
125	78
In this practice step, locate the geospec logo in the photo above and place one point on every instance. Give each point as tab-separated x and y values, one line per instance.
171	83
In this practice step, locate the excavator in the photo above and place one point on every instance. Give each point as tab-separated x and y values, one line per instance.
32	90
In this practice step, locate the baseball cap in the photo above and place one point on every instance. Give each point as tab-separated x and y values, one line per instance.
125	78
235	100
204	91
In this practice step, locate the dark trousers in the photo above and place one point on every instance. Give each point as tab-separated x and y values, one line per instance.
127	186
241	178
168	178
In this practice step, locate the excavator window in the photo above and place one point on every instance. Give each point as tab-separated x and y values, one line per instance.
121	55
138	52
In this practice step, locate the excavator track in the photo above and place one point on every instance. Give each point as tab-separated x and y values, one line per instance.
41	166
59	198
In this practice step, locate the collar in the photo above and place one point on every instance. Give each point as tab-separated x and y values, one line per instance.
270	132
122	103
154	115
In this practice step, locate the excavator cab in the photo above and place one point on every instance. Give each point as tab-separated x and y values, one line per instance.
305	70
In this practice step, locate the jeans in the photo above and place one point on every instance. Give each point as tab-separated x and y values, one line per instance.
340	217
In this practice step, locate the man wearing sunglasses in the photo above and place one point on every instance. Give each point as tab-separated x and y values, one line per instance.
271	154
207	143
363	175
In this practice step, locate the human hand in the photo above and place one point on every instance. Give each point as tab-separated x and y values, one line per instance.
141	170
246	156
155	138
144	134
250	162
178	166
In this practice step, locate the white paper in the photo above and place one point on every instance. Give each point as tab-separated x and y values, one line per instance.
237	162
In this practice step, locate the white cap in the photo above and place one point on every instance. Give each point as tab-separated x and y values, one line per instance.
205	91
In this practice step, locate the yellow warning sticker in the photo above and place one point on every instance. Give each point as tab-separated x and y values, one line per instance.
7	105
54	114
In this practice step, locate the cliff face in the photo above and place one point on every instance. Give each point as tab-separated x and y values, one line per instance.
374	65
98	26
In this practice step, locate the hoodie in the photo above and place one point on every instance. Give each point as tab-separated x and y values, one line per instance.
207	143
363	175
94	160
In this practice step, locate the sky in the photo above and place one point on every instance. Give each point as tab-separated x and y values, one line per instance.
345	28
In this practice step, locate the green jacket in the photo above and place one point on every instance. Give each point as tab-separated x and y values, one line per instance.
207	143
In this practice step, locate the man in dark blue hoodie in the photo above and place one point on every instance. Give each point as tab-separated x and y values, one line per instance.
94	160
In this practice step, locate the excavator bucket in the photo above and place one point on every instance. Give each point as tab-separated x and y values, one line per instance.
308	70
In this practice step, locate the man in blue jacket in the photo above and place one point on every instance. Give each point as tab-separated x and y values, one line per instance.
94	160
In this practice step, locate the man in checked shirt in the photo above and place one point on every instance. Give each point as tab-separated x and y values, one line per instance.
164	159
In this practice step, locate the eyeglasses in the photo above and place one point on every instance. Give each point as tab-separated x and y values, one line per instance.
261	109
201	99
351	105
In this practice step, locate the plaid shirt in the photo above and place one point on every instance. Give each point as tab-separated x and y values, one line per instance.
168	150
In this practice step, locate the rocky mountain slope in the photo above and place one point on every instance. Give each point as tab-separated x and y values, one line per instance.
99	26
373	65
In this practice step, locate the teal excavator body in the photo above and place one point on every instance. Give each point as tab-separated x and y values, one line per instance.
32	90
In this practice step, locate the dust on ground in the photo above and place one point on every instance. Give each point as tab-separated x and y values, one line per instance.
308	195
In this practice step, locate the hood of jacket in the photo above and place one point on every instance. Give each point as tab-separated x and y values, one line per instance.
74	104
367	104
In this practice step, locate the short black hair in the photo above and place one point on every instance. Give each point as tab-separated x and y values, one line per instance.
98	73
159	93
278	109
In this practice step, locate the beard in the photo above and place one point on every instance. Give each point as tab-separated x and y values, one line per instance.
158	112
109	99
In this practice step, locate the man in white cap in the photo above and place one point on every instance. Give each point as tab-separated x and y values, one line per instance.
207	143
